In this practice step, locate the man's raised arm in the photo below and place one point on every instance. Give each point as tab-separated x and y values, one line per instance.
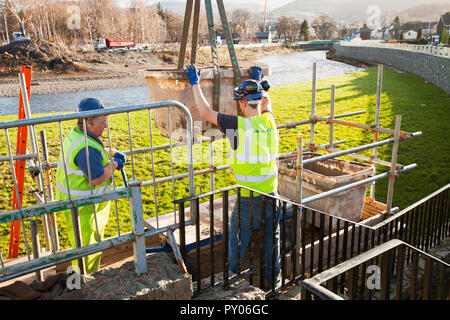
206	112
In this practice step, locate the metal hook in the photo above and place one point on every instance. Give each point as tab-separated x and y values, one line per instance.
200	187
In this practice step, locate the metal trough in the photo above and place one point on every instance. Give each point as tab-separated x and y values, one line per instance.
323	176
172	84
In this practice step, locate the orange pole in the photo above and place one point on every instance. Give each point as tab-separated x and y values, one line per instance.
22	136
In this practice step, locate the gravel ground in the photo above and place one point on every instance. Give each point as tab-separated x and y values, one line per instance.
10	88
121	70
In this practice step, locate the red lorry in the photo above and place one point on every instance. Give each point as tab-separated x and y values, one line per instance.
104	44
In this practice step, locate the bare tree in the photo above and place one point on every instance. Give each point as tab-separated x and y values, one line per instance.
48	20
326	26
241	22
174	24
288	29
17	9
3	10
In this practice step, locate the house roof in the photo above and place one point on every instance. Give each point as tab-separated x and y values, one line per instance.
414	25
446	19
262	34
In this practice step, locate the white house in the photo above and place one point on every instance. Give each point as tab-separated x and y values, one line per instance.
376	34
312	32
263	37
410	35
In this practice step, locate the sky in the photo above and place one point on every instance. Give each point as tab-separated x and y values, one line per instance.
271	4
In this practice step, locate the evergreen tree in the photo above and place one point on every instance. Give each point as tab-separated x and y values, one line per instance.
160	11
419	34
304	31
397	26
444	38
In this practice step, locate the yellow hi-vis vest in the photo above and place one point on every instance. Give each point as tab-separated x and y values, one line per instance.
79	187
253	163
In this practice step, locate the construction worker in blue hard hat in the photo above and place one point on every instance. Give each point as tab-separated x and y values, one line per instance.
78	163
253	142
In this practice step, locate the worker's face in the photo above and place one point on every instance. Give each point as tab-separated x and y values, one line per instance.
97	125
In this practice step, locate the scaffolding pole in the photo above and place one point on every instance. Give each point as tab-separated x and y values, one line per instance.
377	122
392	172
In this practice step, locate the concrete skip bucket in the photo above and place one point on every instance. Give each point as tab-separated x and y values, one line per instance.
325	175
172	84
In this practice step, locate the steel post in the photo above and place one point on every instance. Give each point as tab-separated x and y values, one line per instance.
137	224
331	137
313	102
53	227
299	173
35	245
377	122
398	120
77	236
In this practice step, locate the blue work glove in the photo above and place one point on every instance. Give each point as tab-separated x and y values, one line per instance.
119	164
192	74
121	156
255	73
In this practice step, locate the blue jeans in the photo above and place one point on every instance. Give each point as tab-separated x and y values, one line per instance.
245	234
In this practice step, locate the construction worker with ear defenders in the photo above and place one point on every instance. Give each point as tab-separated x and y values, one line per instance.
253	143
76	160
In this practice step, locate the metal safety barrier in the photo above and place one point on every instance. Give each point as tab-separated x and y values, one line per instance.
304	250
49	207
383	273
311	241
419	227
435	50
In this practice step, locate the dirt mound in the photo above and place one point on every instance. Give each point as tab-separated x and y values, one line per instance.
40	54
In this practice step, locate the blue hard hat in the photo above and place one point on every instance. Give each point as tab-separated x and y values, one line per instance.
249	89
89	104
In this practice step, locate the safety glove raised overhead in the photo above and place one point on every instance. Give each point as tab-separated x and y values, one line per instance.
192	74
255	73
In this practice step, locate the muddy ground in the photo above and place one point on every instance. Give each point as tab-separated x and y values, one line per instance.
57	69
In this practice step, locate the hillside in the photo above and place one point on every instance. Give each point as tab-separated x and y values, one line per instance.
349	10
426	12
179	7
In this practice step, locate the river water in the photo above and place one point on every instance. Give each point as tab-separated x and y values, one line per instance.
286	69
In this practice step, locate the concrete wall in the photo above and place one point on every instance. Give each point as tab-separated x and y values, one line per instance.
433	68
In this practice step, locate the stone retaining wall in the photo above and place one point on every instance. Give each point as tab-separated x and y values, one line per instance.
433	68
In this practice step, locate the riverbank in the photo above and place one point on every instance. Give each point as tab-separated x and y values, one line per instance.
121	69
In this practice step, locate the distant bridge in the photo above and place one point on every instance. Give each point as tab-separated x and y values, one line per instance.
315	45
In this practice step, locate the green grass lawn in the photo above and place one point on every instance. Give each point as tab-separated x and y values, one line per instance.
423	108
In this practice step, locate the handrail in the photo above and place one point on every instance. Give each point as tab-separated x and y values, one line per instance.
411	207
133	191
434	50
314	284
